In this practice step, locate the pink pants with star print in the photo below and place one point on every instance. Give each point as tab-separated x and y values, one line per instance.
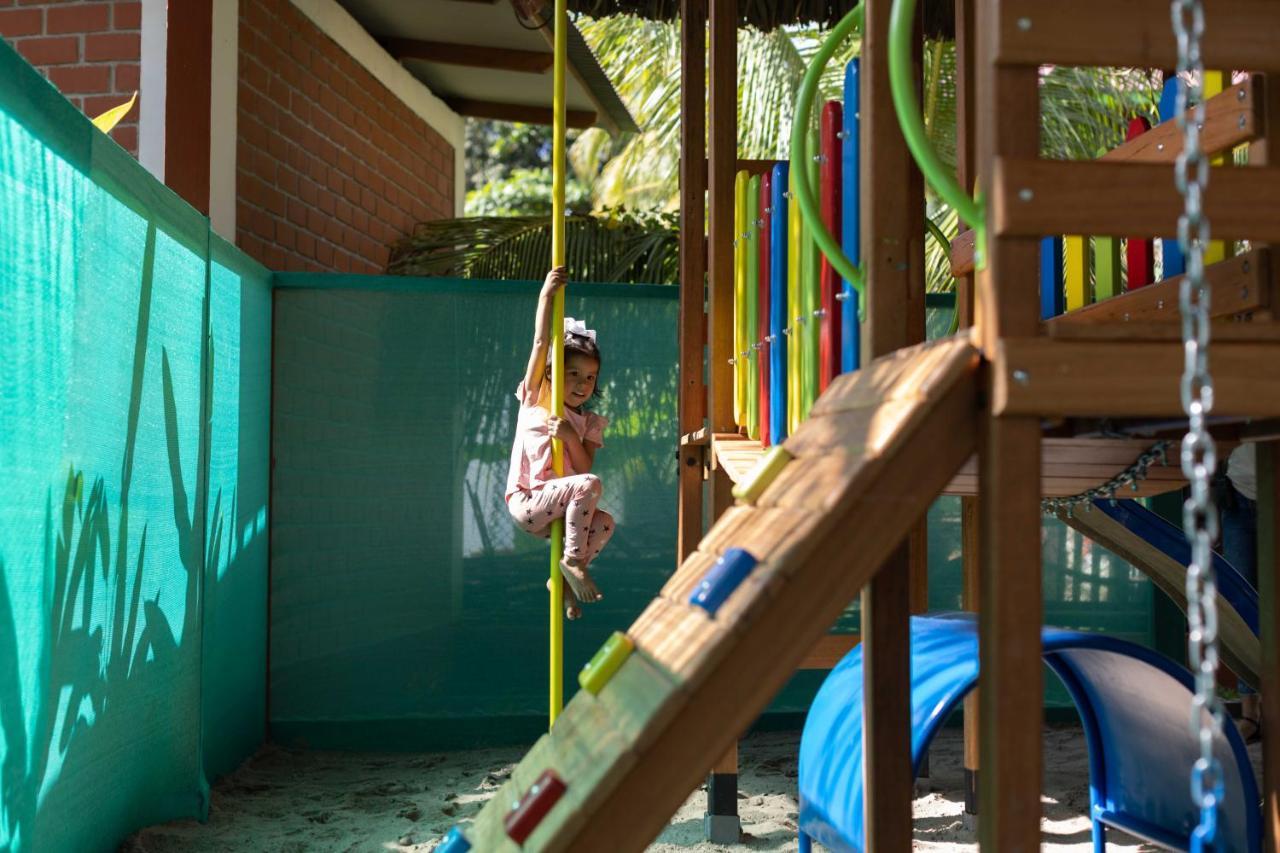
586	530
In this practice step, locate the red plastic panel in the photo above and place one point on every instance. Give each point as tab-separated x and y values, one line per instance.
830	178
1139	252
766	218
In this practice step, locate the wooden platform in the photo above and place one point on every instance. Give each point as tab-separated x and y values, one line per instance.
1069	466
878	448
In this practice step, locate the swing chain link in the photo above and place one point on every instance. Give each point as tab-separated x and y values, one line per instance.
1199	454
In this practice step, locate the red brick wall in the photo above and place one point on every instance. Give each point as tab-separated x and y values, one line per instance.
90	50
331	167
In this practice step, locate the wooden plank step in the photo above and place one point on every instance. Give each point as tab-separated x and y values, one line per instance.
1030	198
1070	466
1237	285
735	454
763	531
1137	34
1057	378
680	639
811	484
911	373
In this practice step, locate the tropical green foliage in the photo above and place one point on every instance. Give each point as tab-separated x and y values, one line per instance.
1083	112
509	171
614	246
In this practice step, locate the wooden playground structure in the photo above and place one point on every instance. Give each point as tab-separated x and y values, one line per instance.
1023	404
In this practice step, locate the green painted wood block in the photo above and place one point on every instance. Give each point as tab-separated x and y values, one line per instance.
602	666
765	472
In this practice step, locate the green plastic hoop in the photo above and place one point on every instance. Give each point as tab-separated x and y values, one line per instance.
971	210
800	156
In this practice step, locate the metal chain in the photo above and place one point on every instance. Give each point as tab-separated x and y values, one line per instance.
1199	455
1130	477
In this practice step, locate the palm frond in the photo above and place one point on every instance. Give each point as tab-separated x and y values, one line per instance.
611	247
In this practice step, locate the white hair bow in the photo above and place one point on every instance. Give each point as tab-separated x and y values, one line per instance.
579	328
574	327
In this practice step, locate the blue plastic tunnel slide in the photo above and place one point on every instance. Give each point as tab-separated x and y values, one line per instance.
1133	703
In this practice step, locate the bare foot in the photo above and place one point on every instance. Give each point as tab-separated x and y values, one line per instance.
576	575
572	608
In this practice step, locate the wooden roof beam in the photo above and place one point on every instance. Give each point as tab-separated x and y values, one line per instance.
470	55
529	114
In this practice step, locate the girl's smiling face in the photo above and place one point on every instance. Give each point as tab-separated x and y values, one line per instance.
579	378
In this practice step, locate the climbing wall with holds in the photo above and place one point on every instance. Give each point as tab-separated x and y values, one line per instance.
735	620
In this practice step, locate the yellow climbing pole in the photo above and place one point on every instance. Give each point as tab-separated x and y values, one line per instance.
556	692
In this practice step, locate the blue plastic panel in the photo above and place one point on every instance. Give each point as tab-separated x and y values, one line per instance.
851	219
778	305
1050	277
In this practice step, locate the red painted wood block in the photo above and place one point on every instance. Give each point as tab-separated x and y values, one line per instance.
830	176
1139	253
522	820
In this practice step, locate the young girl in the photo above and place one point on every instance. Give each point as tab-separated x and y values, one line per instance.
535	495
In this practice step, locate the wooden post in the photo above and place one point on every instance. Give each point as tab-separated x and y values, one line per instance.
1010	603
693	269
722	159
1261	153
965	127
189	59
1268	613
893	257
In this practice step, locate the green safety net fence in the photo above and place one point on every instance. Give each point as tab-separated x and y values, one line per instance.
408	612
134	379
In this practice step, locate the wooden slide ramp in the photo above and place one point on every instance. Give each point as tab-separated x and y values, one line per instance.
878	447
1241	649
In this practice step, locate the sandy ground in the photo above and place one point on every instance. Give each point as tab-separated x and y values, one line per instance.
297	802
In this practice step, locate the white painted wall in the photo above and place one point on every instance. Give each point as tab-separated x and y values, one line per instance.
155	55
223	89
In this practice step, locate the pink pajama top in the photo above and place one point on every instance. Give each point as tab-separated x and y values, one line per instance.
531	450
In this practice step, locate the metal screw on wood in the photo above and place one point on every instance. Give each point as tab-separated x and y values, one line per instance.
1021	377
1024	24
1245	266
1244	292
1159	146
1244	121
1159	304
1026	194
1241	94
